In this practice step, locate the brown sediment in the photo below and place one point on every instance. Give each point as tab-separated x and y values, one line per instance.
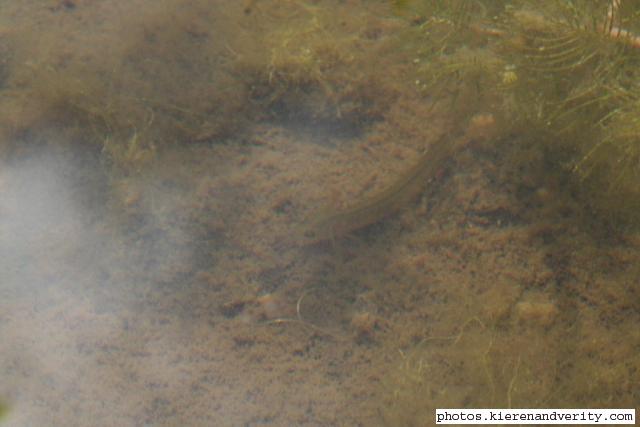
327	226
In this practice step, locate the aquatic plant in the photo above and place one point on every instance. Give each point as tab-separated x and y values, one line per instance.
4	410
564	73
155	77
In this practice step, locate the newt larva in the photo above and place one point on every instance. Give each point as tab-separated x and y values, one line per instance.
327	226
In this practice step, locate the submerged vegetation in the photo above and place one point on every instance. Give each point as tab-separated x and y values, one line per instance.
141	81
563	73
559	73
4	410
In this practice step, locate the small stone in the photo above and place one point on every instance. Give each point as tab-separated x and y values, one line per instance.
541	313
364	325
270	307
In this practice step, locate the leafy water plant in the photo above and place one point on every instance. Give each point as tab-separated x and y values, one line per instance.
564	72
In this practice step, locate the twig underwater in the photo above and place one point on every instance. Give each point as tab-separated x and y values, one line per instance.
301	321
